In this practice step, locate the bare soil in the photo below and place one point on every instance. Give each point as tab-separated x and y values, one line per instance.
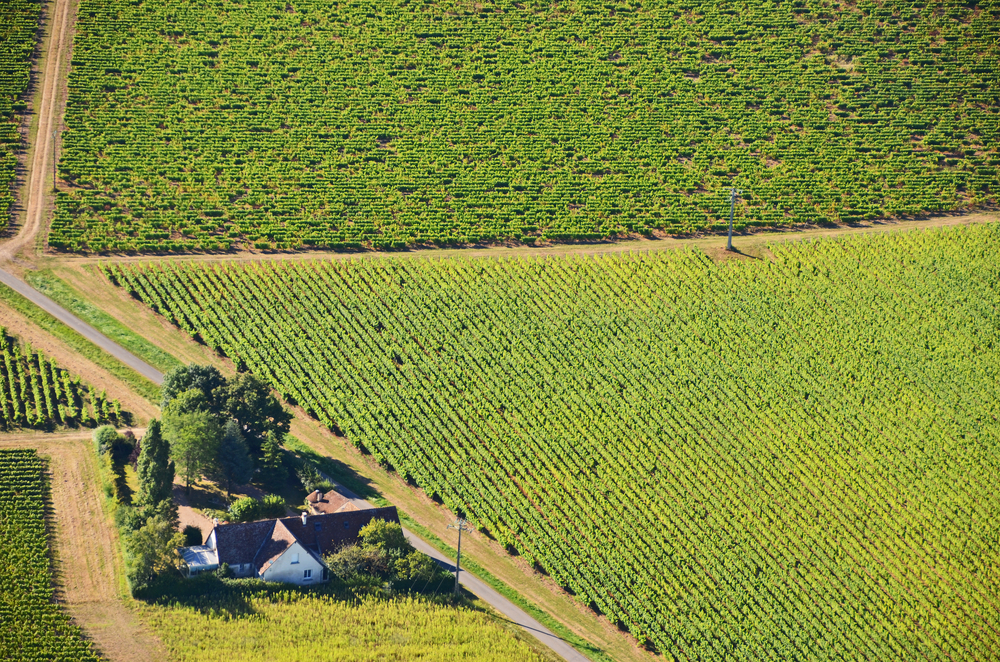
87	561
37	195
750	243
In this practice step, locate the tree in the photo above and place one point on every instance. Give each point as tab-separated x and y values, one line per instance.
235	462
105	438
250	402
204	378
151	550
385	535
194	437
154	468
272	468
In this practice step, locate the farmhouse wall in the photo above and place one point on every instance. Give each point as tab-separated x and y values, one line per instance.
284	570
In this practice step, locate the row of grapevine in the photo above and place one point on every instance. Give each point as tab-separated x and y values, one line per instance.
775	459
312	123
32	626
36	393
18	25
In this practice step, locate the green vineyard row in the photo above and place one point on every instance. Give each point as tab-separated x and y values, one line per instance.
18	25
36	393
764	459
209	124
32	626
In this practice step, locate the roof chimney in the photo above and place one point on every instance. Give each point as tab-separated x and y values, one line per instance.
304	519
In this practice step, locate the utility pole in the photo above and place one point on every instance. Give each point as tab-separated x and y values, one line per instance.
732	207
459	524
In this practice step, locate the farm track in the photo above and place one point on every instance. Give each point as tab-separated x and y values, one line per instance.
51	105
752	245
87	562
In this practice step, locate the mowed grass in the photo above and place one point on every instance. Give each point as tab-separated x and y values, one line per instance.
296	625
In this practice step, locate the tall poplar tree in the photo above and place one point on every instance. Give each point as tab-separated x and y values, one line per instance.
154	468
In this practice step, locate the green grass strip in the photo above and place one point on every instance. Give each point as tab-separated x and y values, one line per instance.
69	298
84	347
346	476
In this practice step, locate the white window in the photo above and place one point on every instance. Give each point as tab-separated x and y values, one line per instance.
295	558
307	574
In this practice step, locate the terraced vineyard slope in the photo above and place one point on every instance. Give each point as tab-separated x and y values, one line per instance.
18	25
37	393
754	460
32	626
198	125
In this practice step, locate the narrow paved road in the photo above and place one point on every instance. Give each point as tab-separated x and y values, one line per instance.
512	612
81	327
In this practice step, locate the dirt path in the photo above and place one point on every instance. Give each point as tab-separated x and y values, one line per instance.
88	564
49	114
754	242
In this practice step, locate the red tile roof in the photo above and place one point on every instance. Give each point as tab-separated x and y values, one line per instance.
330	502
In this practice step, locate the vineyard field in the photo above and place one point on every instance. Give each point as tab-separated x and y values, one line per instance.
286	124
18	25
32	627
281	626
787	458
37	393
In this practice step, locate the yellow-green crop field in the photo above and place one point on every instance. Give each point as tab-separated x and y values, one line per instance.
291	625
787	458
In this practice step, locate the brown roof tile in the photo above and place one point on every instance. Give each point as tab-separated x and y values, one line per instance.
262	542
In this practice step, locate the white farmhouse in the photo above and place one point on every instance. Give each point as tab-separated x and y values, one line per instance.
289	550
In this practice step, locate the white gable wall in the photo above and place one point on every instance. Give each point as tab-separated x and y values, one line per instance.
284	570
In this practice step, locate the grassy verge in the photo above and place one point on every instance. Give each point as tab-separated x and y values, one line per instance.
66	296
345	476
88	350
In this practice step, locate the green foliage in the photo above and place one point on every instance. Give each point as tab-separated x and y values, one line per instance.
272	467
18	27
202	378
246	509
154	468
384	535
311	479
235	463
248	400
151	550
381	124
272	506
192	535
688	447
32	624
105	437
194	435
36	393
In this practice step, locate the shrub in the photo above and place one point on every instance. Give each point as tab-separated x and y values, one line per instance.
105	438
273	506
192	535
246	509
